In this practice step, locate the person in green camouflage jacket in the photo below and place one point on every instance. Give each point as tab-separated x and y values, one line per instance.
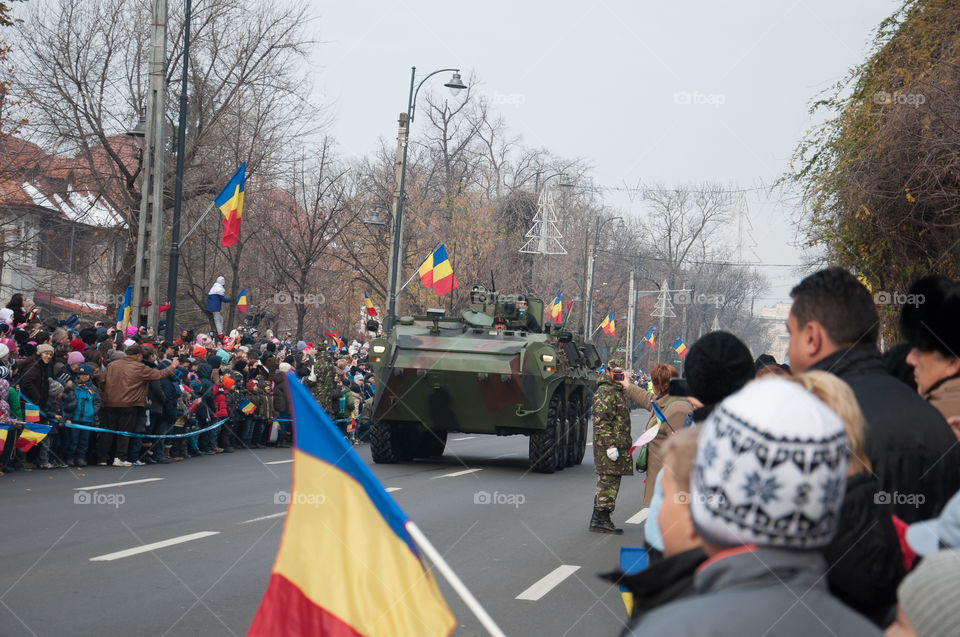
611	446
321	381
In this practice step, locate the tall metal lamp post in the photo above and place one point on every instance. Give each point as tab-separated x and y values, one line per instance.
406	119
588	306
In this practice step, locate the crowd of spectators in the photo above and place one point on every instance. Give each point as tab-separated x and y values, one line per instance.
230	390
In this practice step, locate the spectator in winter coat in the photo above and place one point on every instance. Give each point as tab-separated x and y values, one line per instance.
931	326
163	396
19	308
205	414
866	563
762	523
215	299
833	326
81	404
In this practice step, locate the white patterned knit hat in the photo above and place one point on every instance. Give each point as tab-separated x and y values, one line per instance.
770	470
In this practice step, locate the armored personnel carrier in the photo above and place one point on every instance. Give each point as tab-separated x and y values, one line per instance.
437	375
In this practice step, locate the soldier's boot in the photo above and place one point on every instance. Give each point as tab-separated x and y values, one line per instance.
601	523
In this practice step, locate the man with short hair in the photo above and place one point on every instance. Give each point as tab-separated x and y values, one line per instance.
124	398
833	326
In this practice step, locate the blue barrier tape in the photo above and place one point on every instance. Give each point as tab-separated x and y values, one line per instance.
130	434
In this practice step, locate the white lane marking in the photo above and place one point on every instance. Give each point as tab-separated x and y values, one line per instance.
146	548
464	438
279	461
547	583
392	489
504	455
116	484
264	517
456	473
639	517
589	444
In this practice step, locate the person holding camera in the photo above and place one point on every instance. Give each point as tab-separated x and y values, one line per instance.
611	445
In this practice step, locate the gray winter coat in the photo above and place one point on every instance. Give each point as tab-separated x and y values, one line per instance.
764	591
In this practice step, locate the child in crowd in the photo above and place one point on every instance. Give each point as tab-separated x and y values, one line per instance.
81	404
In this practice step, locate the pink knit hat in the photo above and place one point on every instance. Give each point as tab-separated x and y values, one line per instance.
132	330
74	357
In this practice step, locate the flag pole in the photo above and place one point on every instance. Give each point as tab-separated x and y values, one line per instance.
197	224
454	581
404	286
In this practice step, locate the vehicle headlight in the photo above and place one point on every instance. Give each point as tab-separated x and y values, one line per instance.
379	349
547	358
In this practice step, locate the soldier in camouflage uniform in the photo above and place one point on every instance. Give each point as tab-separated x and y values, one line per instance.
322	387
611	446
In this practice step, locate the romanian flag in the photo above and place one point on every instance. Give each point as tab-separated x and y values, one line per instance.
335	339
242	300
437	273
4	432
680	348
230	202
555	311
347	564
650	339
647	436
123	315
31	413
371	311
353	425
608	325
247	407
31	435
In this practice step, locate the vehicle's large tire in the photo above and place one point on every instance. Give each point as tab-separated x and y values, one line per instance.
544	447
431	443
583	417
384	442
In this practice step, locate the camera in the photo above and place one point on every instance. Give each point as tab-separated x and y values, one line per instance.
678	387
618	375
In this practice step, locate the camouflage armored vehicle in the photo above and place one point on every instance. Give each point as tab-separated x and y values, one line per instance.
437	374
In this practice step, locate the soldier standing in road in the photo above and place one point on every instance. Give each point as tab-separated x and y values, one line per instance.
611	445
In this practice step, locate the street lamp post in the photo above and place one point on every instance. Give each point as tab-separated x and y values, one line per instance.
405	120
178	189
588	307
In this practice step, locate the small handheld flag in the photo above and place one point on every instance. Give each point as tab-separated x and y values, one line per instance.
556	308
647	436
242	300
371	311
4	432
680	348
247	407
335	339
123	315
608	325
31	435
31	413
230	202
650	339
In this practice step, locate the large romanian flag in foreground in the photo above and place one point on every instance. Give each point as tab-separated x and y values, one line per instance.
346	564
230	203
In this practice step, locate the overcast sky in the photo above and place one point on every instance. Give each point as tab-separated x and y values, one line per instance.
665	92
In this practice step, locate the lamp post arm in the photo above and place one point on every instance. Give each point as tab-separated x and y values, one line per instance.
412	105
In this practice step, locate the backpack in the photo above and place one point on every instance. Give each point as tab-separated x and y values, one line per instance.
83	412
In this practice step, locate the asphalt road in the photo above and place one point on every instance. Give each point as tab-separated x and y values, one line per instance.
72	562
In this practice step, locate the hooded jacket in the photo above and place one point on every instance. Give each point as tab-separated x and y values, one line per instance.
911	447
217	295
757	591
